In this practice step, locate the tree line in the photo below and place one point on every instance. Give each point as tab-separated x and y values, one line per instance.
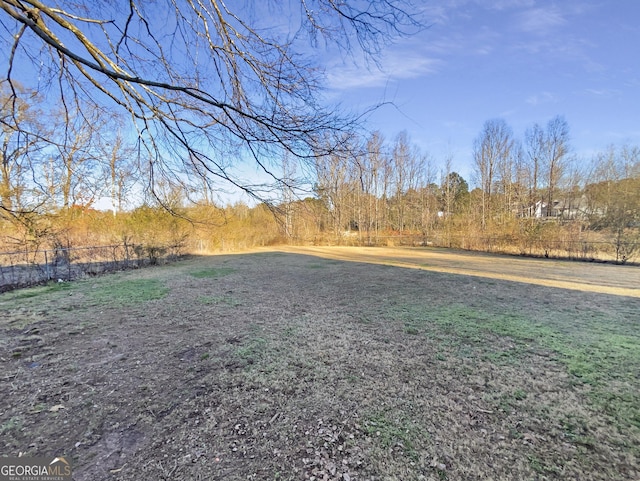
530	191
528	194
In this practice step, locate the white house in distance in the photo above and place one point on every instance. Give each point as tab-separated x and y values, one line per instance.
569	208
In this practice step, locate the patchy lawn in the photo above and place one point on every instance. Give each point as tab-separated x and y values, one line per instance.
294	365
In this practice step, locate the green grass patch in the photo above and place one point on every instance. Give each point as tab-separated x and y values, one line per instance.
290	332
395	432
253	350
411	329
539	466
49	287
126	292
23	307
576	429
212	272
507	357
510	401
14	423
595	349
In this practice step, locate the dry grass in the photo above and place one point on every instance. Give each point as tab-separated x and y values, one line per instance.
309	365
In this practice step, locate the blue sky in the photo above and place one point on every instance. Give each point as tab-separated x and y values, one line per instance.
525	61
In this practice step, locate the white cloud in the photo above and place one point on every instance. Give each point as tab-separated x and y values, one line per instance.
507	4
452	124
540	20
541	98
602	92
394	65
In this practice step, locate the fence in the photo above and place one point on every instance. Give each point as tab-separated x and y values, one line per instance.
590	251
27	268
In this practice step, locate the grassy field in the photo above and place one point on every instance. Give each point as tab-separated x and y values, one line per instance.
307	365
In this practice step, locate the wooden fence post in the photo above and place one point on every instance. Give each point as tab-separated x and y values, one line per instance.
46	264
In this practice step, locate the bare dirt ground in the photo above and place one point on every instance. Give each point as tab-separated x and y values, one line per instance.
329	364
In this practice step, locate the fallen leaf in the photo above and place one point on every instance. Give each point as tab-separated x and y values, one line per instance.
56	408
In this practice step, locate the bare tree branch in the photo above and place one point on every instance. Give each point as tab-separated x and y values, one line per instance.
198	80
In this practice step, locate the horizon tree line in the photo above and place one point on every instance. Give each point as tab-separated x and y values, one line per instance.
371	187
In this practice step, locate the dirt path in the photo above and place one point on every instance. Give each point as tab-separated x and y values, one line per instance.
587	277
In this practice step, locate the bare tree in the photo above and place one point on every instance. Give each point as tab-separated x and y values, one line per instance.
429	195
521	182
556	147
74	179
288	173
333	185
402	160
201	79
20	145
614	198
453	193
373	167
120	172
506	179
491	151
535	142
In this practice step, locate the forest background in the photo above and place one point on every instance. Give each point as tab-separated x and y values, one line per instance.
85	186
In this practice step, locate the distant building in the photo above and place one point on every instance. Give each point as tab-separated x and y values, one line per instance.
572	208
